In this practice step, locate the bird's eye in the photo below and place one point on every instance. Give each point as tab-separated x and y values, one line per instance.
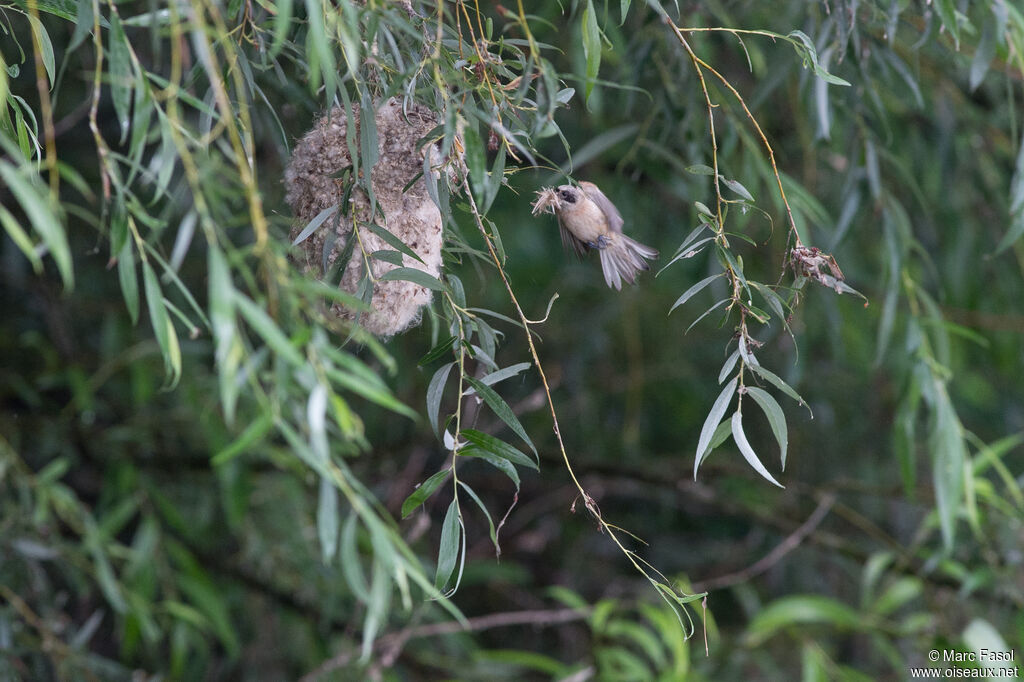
568	196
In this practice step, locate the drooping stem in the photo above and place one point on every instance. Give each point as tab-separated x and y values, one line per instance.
675	601
700	64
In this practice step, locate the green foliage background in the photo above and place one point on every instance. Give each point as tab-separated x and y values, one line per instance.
203	474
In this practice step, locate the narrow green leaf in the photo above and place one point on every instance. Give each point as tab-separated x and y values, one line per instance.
949	454
121	74
1016	204
707	312
1017	183
448	547
105	576
476	159
413	275
316	420
776	418
318	289
351	566
381	585
423	493
727	367
900	592
322	67
502	374
704	210
748	452
369	145
439	198
142	114
83	20
40	213
805	48
21	239
435	391
327	519
887	321
823	104
778	383
387	256
313	224
392	240
696	288
495	179
690	238
501	409
735	186
183	241
252	435
221	294
497	462
45	47
129	281
378	394
267	329
984	639
1012	234
802	610
690	251
700	169
441	349
499	448
947	12
282	21
644	639
772	299
629	665
983	54
711	422
487	515
163	329
721	434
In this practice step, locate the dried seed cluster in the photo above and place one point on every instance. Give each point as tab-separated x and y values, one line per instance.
547	201
313	182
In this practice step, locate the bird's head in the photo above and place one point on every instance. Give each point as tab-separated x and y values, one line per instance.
568	194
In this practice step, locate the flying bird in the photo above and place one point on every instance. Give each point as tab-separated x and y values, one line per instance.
587	220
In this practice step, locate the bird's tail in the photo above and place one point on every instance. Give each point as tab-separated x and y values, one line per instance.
623	258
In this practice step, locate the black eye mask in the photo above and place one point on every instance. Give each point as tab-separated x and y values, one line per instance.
568	196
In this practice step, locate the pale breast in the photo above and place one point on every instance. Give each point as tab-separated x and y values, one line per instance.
586	221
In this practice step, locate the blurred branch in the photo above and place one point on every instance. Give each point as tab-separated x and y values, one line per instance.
53	645
981	319
390	645
782	549
908	563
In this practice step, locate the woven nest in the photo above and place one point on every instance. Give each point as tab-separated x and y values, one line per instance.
313	184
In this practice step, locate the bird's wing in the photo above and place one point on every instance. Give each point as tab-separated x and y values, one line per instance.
605	204
569	240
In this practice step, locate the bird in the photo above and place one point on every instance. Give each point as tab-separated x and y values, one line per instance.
587	219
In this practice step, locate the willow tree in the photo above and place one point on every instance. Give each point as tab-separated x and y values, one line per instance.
296	383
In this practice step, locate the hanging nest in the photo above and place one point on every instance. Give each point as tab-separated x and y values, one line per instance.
314	182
